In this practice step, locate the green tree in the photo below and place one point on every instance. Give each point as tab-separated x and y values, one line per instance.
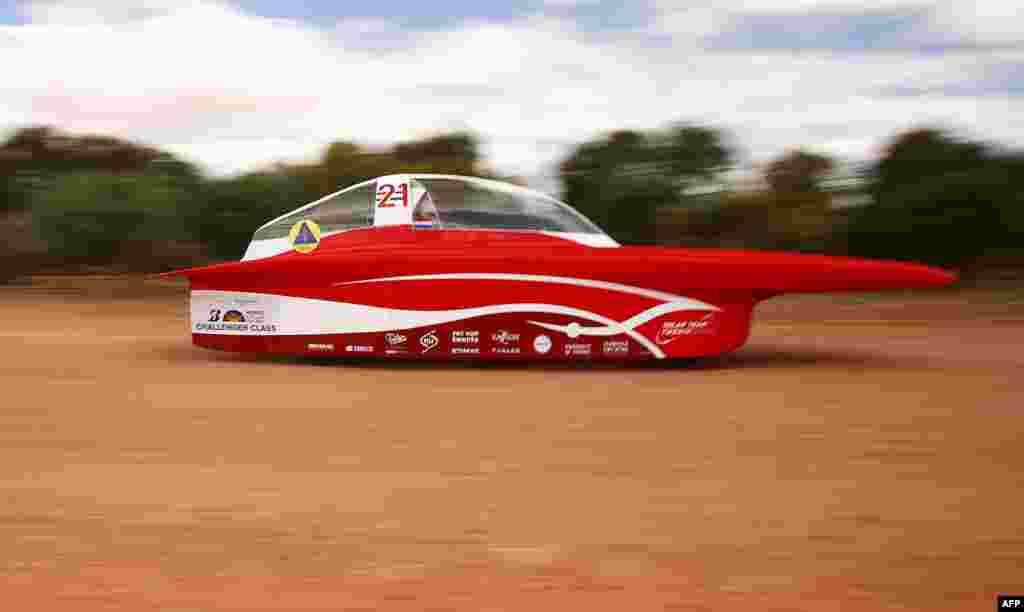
235	207
921	154
13	194
948	220
798	172
799	216
621	181
939	200
33	158
45	150
695	154
94	217
346	163
456	153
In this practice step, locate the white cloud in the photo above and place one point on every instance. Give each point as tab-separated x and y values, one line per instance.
702	19
984	21
953	21
234	91
78	12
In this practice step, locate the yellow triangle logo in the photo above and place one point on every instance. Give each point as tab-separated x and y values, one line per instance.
304	236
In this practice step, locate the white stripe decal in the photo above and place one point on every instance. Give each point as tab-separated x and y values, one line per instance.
619	328
308	316
268	247
602	241
539	278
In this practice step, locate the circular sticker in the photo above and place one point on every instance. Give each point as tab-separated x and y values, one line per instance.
542	344
233	316
304	236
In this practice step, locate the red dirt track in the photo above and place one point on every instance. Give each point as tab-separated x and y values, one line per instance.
856	455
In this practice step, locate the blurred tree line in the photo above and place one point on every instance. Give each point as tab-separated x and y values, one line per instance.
78	201
931	197
72	201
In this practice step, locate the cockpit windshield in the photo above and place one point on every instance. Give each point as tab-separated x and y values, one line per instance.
429	201
465	204
350	208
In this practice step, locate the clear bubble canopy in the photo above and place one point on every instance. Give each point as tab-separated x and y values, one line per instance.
433	201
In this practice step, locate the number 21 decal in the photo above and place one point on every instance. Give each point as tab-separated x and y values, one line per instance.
388	194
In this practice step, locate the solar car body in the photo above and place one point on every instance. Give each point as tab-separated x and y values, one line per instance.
441	267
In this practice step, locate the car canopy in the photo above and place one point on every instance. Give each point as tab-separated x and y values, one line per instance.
425	201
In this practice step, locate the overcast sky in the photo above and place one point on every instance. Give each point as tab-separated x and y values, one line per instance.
233	84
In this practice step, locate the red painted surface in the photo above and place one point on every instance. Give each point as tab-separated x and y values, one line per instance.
734	281
396	251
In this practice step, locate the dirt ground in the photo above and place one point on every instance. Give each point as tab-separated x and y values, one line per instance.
861	453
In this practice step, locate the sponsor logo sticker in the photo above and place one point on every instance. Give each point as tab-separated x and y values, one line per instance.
394	343
262	329
506	341
233	316
465	350
615	347
254	316
304	236
239	327
253	328
503	336
358	348
429	340
673	330
465	336
578	349
542	344
324	348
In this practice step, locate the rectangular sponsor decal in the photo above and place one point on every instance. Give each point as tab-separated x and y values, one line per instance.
322	348
578	349
465	336
506	350
504	342
673	329
254	316
228	313
615	347
396	343
429	341
465	350
505	337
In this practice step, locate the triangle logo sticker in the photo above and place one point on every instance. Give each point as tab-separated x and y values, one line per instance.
304	236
